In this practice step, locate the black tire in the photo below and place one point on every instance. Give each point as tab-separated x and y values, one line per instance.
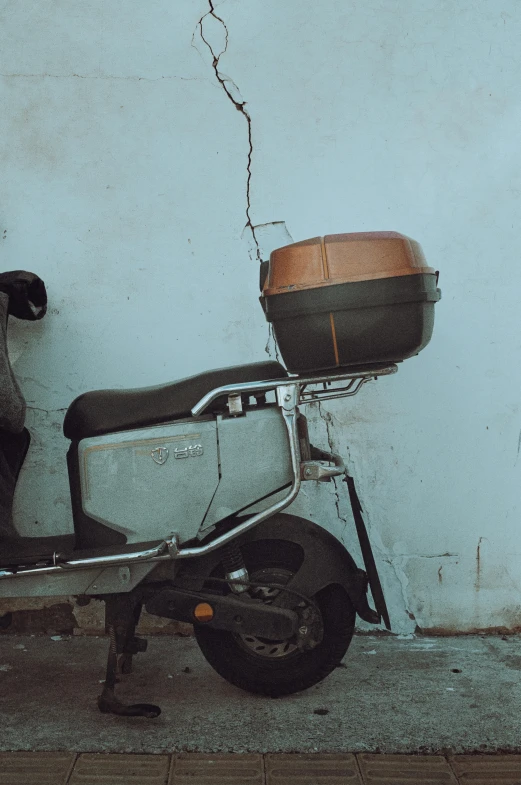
298	670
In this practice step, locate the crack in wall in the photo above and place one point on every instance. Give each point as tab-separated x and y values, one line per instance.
103	76
272	342
397	562
234	96
270	235
327	419
403	580
47	411
427	555
239	103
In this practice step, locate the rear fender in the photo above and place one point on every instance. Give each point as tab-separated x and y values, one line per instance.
325	562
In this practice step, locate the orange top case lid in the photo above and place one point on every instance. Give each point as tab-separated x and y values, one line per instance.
343	258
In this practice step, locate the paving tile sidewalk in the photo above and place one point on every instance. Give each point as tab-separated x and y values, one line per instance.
58	768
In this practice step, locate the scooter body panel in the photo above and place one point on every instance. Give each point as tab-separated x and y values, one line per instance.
183	477
151	482
255	462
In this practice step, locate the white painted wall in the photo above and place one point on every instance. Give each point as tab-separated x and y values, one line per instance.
124	185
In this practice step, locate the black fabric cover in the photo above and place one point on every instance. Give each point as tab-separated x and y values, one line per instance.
27	294
13	449
12	403
108	411
23	295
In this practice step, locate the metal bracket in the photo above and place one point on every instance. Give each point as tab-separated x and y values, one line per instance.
319	470
322	466
235	404
287	397
172	546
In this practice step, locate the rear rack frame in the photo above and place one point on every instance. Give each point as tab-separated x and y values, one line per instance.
356	377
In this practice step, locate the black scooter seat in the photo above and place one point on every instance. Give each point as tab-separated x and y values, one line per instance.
107	411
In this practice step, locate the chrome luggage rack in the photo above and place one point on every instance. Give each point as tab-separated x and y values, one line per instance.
356	377
290	391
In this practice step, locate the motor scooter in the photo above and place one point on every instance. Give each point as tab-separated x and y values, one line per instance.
178	493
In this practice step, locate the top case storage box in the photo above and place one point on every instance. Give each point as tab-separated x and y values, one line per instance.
349	299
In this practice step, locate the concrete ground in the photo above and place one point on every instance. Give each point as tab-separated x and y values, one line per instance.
391	695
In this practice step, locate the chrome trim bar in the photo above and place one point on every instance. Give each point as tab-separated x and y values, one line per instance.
165	550
116	559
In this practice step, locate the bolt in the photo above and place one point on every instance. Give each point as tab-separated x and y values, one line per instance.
287	397
303	630
308	472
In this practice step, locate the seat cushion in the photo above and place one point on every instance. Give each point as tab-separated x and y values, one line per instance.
107	411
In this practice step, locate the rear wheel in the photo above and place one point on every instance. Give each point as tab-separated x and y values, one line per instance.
277	668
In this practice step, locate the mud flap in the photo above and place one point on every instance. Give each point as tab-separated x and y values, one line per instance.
367	553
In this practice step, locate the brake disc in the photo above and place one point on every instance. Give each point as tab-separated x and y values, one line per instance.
263	647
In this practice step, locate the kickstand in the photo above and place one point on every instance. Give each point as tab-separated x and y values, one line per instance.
123	643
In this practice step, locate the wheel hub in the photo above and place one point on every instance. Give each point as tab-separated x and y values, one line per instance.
263	647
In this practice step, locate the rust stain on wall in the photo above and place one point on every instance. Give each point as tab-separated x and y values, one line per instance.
477	583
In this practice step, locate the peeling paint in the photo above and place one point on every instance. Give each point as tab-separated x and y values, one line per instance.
271	235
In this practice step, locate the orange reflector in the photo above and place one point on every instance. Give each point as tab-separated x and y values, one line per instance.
203	612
